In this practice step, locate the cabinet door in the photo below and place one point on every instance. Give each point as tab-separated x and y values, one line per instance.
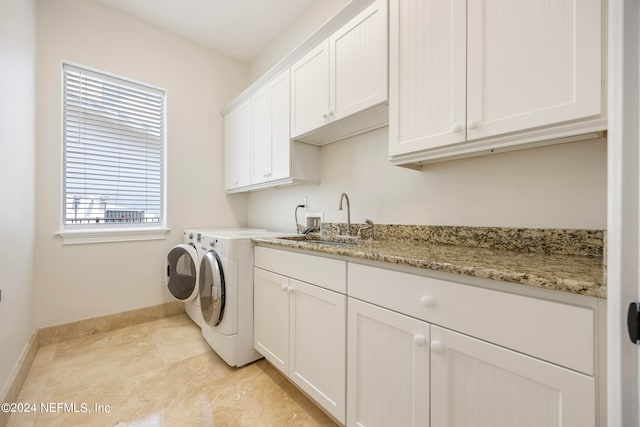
475	380
318	348
427	65
237	138
532	63
271	154
358	62
310	90
387	368
262	137
271	317
280	154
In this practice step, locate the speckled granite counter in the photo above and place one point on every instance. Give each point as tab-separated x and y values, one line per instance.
579	274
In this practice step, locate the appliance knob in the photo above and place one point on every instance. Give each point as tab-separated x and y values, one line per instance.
190	235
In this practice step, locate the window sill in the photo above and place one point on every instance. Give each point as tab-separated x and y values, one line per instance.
78	237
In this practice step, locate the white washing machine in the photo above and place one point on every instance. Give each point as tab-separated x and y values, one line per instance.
183	269
226	293
213	273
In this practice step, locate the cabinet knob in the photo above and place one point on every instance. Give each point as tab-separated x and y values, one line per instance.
325	116
284	288
428	301
472	124
456	128
290	289
419	340
437	347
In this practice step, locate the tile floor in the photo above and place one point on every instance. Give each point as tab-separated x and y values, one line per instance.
160	373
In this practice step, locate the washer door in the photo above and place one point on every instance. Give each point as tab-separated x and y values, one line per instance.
182	272
212	288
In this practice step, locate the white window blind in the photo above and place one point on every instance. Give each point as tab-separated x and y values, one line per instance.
113	132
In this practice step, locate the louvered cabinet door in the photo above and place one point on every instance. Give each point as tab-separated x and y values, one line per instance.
484	385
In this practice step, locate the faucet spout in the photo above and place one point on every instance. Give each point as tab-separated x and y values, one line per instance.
344	196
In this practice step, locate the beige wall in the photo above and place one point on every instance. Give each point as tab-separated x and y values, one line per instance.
17	175
561	186
84	281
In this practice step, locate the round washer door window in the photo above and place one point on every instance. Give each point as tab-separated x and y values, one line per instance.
182	272
212	289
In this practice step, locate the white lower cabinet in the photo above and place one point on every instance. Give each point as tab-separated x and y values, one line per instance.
300	328
388	368
403	371
317	332
481	384
377	347
271	317
430	352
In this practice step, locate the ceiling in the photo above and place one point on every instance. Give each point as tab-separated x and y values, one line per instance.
240	29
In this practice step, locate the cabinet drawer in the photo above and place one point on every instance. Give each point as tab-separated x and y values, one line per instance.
558	333
325	272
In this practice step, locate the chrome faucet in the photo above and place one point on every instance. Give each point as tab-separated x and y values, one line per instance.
344	196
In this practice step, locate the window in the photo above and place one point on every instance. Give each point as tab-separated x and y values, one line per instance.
114	141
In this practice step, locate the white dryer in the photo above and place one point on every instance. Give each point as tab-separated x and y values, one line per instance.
226	293
183	269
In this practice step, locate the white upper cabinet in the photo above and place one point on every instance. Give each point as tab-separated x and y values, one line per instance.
271	144
358	63
310	90
237	142
471	77
343	75
532	63
428	74
260	153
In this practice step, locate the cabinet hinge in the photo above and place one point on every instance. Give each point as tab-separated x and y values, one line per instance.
633	322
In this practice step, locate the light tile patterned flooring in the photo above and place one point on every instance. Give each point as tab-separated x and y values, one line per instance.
160	373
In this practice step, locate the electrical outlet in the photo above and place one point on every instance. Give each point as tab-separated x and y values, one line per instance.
314	219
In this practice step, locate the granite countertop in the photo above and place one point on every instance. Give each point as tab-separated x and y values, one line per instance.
579	274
